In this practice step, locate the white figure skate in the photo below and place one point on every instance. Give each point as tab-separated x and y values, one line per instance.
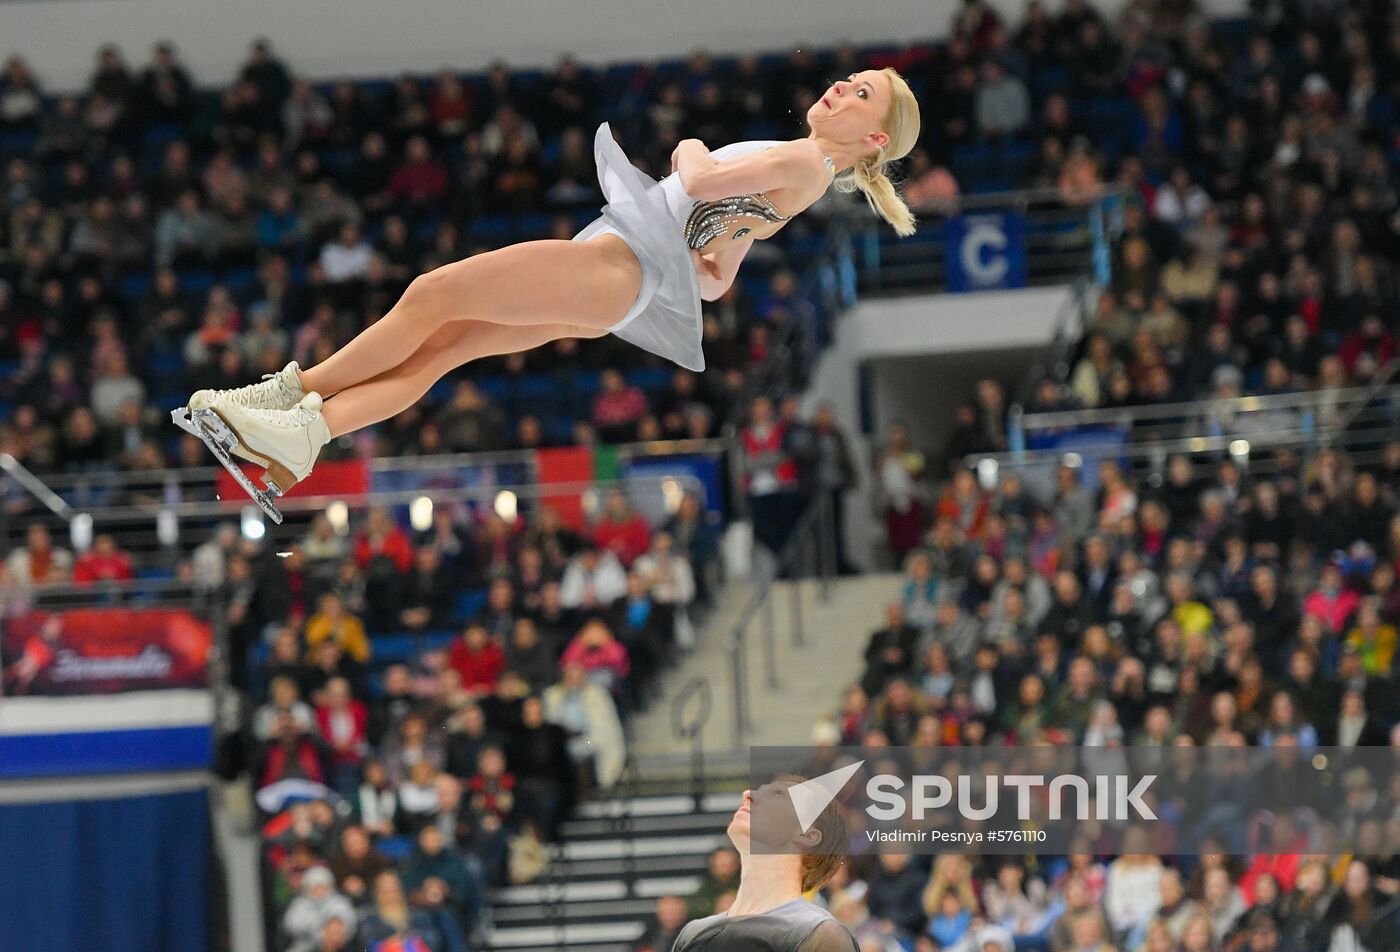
279	391
285	442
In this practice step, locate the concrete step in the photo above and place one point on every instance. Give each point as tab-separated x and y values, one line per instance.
570	936
575	831
698	844
578	889
669	805
654	837
790	687
573	912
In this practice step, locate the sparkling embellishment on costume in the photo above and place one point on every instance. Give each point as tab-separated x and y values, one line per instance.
710	220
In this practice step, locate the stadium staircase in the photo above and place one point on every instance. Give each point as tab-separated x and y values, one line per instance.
652	834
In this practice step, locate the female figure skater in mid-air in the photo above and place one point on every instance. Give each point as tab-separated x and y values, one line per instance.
639	271
779	861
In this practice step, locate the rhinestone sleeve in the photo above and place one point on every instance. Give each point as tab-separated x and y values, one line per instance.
710	220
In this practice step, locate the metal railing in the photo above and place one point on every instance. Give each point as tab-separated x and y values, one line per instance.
690	726
199	483
152	512
808	553
1053	361
1063	239
1252	430
34	486
827	287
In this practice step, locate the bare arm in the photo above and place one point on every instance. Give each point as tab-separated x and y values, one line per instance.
716	269
706	178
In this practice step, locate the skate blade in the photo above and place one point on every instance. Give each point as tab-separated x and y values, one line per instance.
215	434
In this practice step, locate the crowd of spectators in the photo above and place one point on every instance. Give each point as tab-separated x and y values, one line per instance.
157	237
1256	197
423	707
406	758
1252	181
1212	607
154	236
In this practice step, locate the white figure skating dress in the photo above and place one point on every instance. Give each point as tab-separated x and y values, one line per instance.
662	224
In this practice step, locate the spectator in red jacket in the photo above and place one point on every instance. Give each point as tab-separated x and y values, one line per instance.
344	724
104	562
478	659
420	181
617	409
770	475
1367	349
622	529
291	754
600	654
381	538
1331	602
451	104
965	503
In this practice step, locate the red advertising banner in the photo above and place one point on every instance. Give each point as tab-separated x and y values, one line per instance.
104	651
349	477
566	464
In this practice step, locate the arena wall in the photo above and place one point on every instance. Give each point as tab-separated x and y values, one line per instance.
328	38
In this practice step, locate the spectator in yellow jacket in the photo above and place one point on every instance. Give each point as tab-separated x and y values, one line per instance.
333	621
1372	638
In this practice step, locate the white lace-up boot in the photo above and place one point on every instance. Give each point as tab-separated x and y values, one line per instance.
279	391
286	442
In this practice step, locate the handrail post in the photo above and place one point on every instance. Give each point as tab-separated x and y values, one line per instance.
798	636
741	689
826	549
770	648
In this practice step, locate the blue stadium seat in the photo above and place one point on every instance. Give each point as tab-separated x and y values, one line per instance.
534	385
197	280
469	603
558	429
538	394
1050	79
495	229
1111	115
650	378
133	286
17	142
534	225
393	649
495	387
436	640
442	390
586	383
161	134
165	367
396	848
240	280
170	399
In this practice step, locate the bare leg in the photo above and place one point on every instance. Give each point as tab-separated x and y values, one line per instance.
450	346
591	284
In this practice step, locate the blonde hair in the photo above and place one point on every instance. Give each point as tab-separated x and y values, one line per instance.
870	176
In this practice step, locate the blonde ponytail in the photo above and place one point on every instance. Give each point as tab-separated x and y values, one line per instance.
869	178
869	175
